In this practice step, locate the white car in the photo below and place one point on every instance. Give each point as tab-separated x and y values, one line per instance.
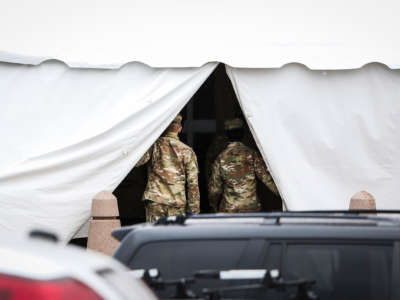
37	268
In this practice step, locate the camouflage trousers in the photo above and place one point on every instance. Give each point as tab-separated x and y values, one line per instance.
230	208
155	211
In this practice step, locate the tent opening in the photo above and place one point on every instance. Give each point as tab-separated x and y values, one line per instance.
203	130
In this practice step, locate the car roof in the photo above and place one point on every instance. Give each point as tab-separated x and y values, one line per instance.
272	225
43	259
248	230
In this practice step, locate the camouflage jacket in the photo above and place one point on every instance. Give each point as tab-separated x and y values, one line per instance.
172	164
234	175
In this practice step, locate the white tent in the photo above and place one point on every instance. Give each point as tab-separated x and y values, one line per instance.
87	87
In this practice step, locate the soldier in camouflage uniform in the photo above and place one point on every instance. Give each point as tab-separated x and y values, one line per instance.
234	174
171	165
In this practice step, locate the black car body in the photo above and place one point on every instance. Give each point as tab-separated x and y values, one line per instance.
349	256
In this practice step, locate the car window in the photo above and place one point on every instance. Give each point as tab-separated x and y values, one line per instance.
342	271
176	259
182	258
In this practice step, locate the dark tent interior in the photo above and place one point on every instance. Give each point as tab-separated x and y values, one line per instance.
203	130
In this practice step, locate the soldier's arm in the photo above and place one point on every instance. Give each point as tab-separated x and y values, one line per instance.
215	186
263	173
145	158
192	172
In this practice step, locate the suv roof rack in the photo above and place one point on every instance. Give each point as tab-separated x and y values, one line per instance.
352	212
362	217
277	216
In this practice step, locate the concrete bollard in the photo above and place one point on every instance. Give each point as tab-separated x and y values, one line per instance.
104	220
362	200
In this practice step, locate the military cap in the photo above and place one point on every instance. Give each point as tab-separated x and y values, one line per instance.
233	124
178	119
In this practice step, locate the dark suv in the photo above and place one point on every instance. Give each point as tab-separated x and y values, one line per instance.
349	256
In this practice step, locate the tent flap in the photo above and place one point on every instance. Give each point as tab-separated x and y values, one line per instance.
326	134
71	133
